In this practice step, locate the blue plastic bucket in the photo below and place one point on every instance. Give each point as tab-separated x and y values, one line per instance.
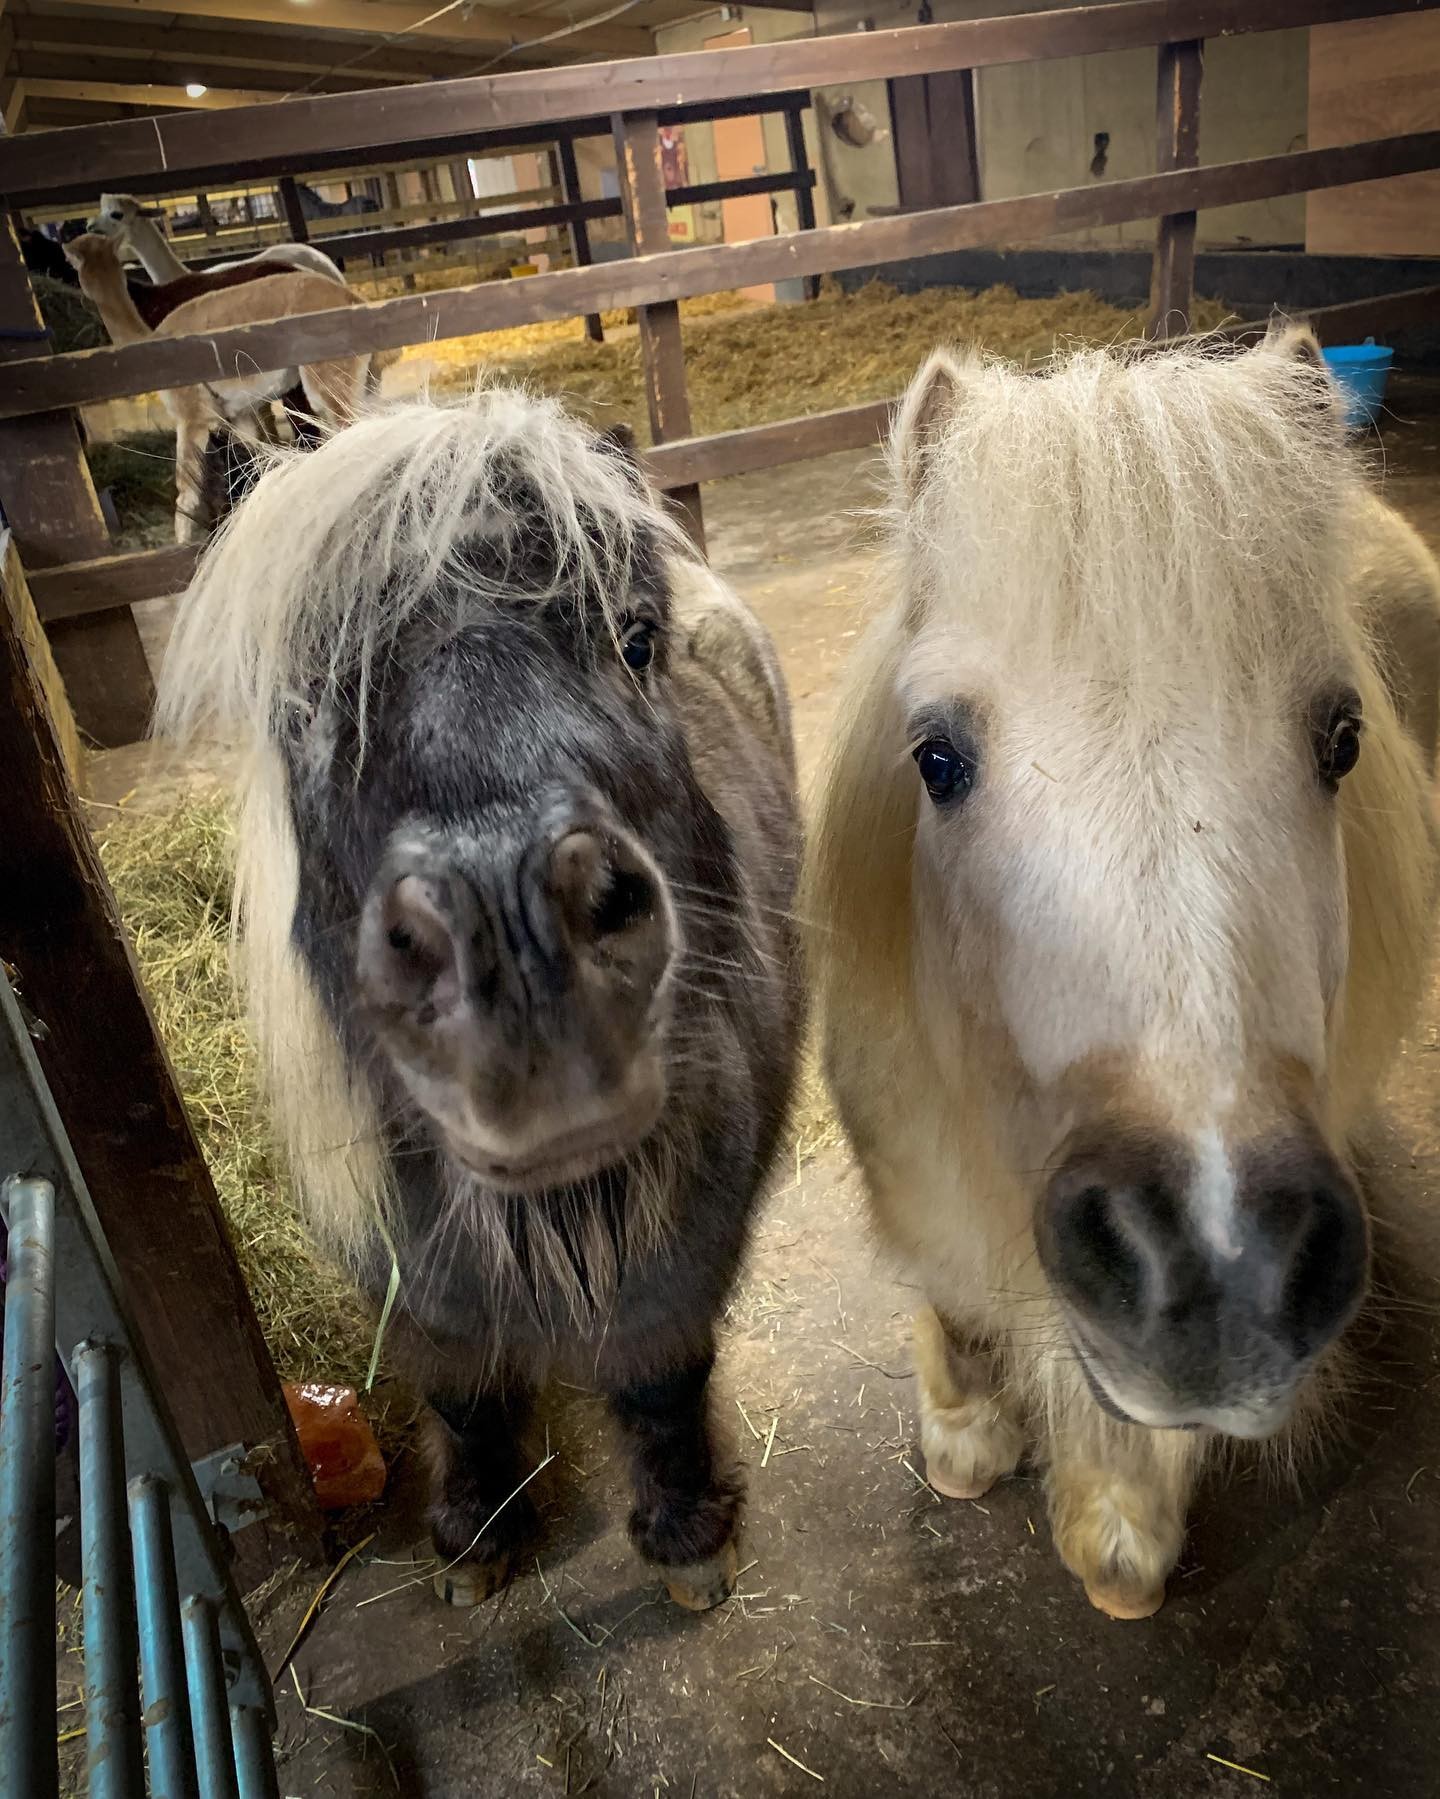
1361	370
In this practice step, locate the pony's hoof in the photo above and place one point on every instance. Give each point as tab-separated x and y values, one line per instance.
966	1454
701	1586
1125	1602
473	1582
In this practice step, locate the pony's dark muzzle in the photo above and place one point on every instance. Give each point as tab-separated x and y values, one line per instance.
520	978
1201	1286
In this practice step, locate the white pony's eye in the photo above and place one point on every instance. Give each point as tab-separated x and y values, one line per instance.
948	775
1341	749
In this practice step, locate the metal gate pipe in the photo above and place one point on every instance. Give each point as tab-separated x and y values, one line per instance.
166	1716
254	1758
112	1710
27	1496
209	1703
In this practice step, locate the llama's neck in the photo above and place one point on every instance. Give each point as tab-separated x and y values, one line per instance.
157	259
106	290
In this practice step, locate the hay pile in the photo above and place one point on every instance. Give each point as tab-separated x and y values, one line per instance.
749	365
172	878
73	323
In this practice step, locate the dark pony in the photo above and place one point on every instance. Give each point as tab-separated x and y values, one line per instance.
517	848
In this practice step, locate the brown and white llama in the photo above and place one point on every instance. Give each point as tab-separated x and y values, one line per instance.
333	389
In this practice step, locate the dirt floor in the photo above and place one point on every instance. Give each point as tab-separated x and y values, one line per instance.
881	1640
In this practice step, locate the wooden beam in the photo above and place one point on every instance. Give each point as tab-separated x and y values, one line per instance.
662	348
50	504
40	384
122	93
349	125
382	18
158	574
115	1093
1179	69
293	52
569	173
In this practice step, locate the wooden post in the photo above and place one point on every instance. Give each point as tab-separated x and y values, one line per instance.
295	221
642	192
579	230
49	502
804	196
116	1097
1177	146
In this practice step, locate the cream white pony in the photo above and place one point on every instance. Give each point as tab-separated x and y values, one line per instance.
1125	868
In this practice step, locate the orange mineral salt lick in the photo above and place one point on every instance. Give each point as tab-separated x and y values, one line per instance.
345	1461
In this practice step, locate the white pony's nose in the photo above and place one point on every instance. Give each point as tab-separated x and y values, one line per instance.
1179	1322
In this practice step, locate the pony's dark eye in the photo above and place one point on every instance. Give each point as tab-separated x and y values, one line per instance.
946	773
1340	749
117	215
637	645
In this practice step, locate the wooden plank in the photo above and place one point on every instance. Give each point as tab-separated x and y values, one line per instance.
295	221
39	384
158	574
662	348
264	140
116	1095
49	502
60	200
936	156
1179	70
25	617
1386	78
569	173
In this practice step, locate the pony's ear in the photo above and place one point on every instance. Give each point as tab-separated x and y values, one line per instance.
928	403
1285	338
619	440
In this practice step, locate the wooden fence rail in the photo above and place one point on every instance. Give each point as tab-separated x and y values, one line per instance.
45	383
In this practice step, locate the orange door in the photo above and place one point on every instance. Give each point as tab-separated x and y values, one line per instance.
740	152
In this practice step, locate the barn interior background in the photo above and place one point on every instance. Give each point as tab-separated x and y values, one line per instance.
737	229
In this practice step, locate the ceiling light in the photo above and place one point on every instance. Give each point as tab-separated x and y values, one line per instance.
197	90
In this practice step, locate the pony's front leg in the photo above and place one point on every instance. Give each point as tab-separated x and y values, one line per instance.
970	1426
686	1508
480	1514
1119	1494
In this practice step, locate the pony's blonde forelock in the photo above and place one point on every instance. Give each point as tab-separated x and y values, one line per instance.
1056	507
335	550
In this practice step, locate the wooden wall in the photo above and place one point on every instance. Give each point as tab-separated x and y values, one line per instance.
1372	78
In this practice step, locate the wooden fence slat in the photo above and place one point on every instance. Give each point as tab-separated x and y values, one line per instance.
662	348
43	383
569	172
116	1096
1179	69
50	504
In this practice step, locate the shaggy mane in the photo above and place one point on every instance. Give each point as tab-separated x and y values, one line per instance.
1051	510
340	552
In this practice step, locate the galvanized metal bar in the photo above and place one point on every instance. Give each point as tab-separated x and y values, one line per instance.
254	1759
89	1302
112	1653
209	1702
27	1496
166	1717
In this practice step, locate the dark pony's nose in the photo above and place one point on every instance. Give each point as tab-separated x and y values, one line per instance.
603	889
1199	1289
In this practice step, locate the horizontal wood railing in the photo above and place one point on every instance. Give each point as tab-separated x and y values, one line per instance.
136	153
43	383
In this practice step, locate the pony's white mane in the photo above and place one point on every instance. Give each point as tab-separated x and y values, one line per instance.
335	551
1061	505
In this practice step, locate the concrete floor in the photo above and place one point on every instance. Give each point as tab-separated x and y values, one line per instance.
882	1641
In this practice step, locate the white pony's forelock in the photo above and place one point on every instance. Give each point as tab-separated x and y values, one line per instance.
1073	498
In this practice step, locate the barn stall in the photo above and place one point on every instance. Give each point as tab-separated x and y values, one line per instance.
879	1638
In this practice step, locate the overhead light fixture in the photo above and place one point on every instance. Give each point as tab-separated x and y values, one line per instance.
197	90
